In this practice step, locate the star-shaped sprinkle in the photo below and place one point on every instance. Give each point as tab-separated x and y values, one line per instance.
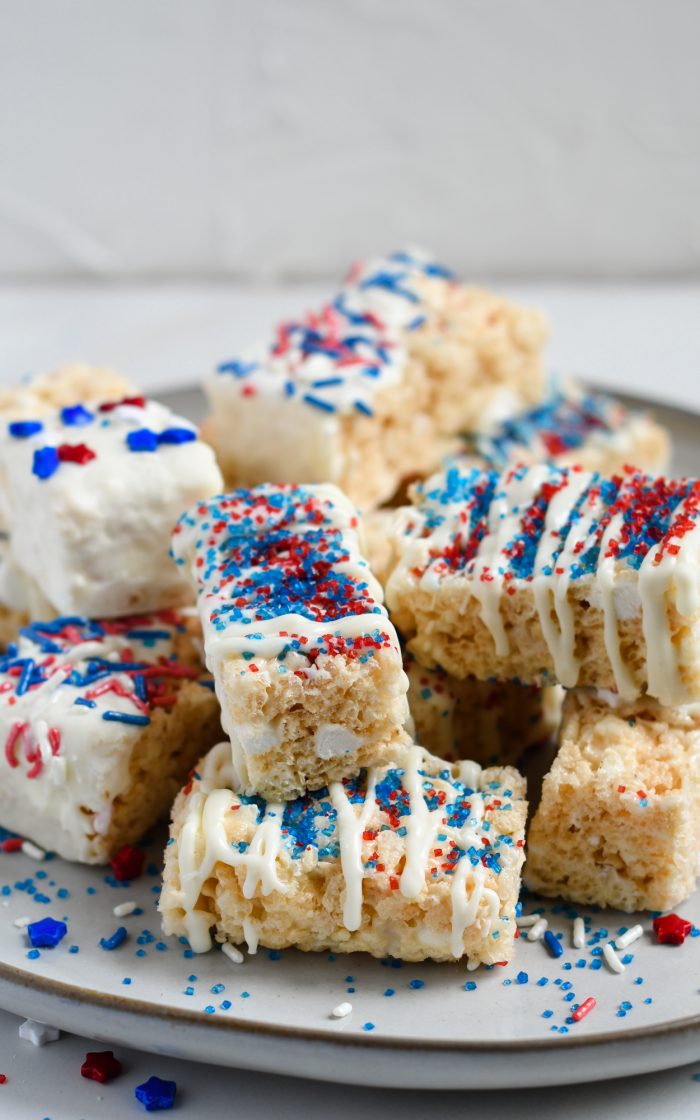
671	930
76	416
155	1094
46	933
127	863
45	462
78	453
100	1065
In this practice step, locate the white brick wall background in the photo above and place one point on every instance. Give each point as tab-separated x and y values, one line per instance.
275	139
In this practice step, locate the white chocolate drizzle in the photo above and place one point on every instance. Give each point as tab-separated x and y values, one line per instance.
203	843
578	517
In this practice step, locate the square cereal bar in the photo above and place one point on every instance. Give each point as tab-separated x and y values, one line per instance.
548	574
306	663
374	387
99	724
414	859
619	820
91	496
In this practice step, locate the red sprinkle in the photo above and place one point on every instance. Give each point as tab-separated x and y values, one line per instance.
78	453
3	1078
128	863
101	1065
12	844
583	1009
671	930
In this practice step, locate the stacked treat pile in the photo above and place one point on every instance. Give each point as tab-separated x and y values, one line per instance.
365	796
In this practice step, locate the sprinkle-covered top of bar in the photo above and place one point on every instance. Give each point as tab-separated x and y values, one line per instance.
412	822
72	676
279	571
336	359
548	520
78	437
564	423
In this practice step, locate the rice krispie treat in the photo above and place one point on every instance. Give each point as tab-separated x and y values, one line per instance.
573	427
92	494
493	722
99	724
619	820
58	388
550	574
374	387
414	859
307	665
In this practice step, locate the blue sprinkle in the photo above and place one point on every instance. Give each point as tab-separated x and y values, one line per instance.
76	416
542	982
126	980
325	406
47	933
416	984
155	1094
363	408
225	1004
209	1010
547	1014
470	986
73	949
125	717
389	992
177	435
85	703
522	978
143	439
33	954
22	429
553	945
45	462
368	1026
117	938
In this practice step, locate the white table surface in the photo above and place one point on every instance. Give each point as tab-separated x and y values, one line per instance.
643	339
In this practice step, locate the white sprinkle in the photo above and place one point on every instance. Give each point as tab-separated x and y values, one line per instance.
341	1010
38	1033
32	850
524	921
21	923
536	931
633	934
235	955
611	958
578	933
124	909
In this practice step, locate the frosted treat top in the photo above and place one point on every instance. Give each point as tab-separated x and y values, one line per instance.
565	422
279	571
413	821
335	360
632	537
52	448
546	520
77	682
97	490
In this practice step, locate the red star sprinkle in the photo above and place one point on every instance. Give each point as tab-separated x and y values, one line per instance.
78	453
671	930
3	1078
128	863
101	1065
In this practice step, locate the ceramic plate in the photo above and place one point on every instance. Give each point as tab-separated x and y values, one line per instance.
424	1025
